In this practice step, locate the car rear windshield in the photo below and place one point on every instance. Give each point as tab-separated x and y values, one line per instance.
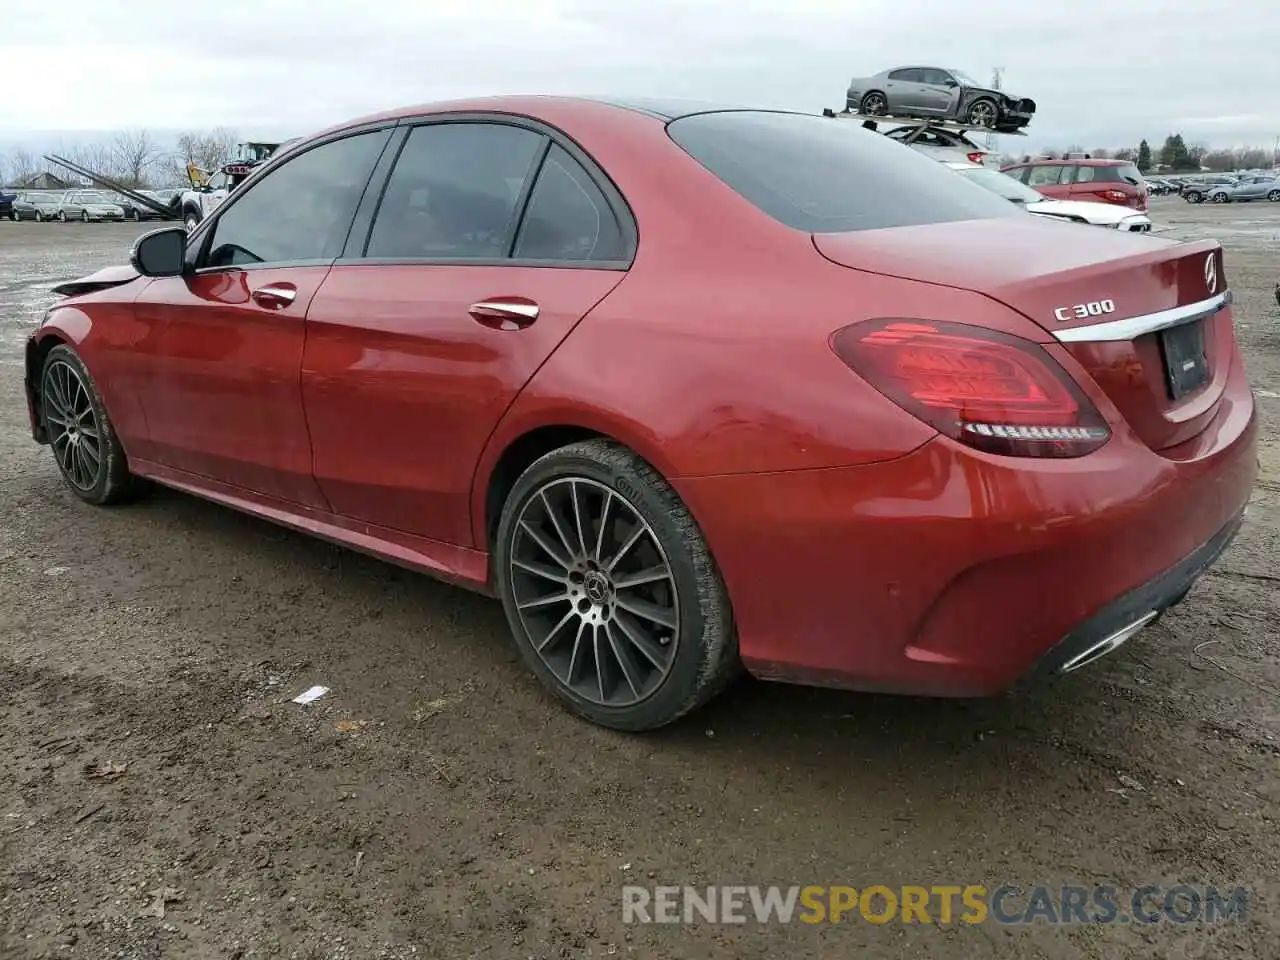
824	175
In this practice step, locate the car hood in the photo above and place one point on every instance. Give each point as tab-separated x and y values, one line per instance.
1035	266
1095	213
101	280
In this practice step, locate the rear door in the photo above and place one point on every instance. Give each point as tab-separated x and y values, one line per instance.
937	91
905	91
492	239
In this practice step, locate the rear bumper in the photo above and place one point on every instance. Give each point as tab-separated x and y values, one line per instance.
949	572
1119	620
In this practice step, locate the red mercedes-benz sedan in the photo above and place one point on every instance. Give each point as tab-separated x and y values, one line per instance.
688	388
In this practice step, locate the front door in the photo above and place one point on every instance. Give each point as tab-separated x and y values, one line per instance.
221	392
419	343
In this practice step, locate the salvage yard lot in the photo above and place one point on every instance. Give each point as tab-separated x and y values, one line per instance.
163	798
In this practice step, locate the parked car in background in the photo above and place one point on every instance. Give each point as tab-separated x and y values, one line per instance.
939	143
938	92
46	204
894	433
1197	190
1245	188
1105	181
132	209
88	205
1159	186
6	205
22	209
1080	211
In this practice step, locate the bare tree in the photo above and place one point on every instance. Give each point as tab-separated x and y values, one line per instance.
132	153
22	166
1100	153
208	151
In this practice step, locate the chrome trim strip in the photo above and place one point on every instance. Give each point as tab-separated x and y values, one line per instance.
1148	323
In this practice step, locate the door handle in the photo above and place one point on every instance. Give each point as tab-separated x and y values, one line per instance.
508	313
275	296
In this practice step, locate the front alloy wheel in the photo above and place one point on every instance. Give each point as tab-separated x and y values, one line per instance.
85	447
609	589
983	114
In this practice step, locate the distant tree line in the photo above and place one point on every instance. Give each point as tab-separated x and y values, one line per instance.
134	158
1177	157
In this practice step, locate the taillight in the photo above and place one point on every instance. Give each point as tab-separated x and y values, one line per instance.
1116	196
976	156
986	389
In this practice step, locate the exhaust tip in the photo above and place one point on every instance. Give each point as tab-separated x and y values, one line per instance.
1108	643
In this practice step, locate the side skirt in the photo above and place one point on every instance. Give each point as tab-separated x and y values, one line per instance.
458	565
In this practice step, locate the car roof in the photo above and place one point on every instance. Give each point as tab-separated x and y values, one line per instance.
665	109
1080	162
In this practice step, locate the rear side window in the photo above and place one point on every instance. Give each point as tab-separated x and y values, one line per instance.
1127	173
822	175
454	191
568	217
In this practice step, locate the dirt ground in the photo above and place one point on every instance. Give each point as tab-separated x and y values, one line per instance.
463	814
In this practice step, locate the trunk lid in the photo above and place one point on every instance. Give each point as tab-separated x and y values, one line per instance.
1076	282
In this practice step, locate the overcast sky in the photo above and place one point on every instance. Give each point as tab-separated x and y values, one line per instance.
1102	73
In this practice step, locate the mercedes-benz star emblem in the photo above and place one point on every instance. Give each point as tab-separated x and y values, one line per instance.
1211	273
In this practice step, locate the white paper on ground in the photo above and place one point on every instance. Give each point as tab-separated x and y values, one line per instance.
307	696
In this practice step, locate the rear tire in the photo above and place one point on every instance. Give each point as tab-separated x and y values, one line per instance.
874	104
191	220
1220	198
84	442
612	596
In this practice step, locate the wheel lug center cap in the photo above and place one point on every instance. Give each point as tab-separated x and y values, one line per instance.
596	587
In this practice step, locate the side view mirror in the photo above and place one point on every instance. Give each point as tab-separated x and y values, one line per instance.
160	253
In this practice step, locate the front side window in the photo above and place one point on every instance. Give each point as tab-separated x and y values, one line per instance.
1045	175
301	210
568	217
454	192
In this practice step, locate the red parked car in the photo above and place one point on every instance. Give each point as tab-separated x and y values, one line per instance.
687	388
1102	181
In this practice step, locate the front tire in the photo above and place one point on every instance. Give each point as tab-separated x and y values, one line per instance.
1220	198
1274	196
84	442
610	591
84	216
983	112
39	216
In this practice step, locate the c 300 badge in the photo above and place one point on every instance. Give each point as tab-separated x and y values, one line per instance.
1094	308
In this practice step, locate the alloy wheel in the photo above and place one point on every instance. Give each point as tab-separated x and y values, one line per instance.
74	432
1274	196
874	104
594	591
983	114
